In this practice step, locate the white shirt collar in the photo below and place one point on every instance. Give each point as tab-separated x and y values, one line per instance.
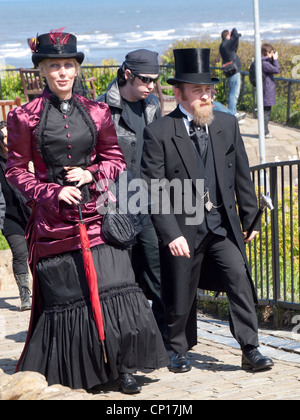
188	119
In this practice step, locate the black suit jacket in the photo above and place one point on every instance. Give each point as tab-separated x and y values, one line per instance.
169	154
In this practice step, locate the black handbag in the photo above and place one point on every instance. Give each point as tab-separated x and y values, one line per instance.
120	228
230	68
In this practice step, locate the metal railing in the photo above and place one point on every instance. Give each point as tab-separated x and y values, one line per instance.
287	89
274	255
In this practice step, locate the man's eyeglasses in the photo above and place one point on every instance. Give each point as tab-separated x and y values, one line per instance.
146	80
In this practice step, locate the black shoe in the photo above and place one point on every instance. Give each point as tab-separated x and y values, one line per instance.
253	360
180	363
128	384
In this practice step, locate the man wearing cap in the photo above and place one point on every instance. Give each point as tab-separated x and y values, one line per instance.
195	144
133	106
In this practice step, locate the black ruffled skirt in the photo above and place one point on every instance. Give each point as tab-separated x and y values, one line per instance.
65	347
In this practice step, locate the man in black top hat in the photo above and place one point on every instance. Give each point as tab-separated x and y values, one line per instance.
202	245
133	106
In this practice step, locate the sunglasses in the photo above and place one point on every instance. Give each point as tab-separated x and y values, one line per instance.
146	80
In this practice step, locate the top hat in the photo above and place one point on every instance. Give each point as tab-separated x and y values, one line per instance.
55	44
192	65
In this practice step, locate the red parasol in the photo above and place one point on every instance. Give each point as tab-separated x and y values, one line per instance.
91	277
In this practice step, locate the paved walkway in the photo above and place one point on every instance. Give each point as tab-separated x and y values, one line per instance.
216	360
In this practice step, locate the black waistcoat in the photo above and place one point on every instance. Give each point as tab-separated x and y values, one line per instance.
215	220
66	140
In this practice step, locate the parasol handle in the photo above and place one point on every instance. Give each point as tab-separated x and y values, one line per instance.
266	203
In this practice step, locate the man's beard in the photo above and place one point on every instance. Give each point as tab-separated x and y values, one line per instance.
203	114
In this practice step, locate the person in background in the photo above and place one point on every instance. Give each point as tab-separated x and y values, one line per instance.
270	66
16	218
228	51
63	339
217	105
133	106
2	209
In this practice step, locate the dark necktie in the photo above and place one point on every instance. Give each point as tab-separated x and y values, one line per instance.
200	139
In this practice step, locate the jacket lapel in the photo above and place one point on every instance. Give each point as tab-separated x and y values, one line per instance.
219	150
185	146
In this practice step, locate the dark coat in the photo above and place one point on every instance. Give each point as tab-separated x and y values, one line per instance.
17	213
131	148
229	48
269	68
169	154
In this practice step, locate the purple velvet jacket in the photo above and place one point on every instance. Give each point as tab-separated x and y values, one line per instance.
53	226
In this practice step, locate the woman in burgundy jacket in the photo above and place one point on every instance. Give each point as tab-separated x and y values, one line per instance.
72	143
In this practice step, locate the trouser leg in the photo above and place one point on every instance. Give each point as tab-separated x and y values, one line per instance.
18	246
243	318
146	265
179	292
267	115
234	84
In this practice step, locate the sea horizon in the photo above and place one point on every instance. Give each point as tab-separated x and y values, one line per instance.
109	30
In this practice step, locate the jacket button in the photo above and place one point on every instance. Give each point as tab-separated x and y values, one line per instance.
229	165
133	143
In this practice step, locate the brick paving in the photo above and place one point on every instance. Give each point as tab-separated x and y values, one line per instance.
216	360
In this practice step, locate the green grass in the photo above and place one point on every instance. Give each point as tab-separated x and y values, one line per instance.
3	243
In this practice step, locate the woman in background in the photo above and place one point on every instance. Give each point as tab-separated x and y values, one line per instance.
2	209
16	218
270	66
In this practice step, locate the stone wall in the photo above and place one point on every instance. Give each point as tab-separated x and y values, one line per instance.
7	280
33	386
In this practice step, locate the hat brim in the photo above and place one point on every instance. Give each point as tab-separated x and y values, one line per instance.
175	80
37	58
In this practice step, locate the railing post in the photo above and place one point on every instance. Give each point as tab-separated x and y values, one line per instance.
288	111
275	234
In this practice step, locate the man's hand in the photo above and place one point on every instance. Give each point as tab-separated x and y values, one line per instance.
247	240
179	248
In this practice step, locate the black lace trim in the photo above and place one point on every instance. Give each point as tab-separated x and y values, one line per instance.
104	294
